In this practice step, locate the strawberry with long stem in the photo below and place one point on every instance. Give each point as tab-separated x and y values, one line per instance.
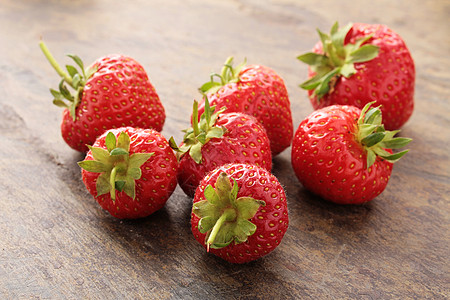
113	92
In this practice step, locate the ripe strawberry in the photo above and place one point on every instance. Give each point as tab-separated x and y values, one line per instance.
361	63
131	172
218	139
114	92
343	154
239	213
257	91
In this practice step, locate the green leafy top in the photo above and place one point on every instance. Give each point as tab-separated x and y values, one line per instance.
375	139
227	75
118	168
73	77
337	59
200	132
223	216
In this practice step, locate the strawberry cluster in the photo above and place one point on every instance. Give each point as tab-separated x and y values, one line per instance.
361	85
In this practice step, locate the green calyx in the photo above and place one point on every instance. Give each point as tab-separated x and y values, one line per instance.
375	139
118	168
74	78
227	75
200	132
337	59
223	216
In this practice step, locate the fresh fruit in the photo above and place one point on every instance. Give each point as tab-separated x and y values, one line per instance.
219	138
113	92
131	172
343	154
257	91
239	212
361	63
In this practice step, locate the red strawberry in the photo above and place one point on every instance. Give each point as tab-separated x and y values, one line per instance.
131	172
114	92
343	154
239	213
361	63
218	139
257	91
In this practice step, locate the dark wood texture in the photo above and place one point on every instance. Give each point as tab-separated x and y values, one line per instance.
57	243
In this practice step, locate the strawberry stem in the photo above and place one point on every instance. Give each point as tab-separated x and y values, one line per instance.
55	64
195	119
112	182
228	215
227	66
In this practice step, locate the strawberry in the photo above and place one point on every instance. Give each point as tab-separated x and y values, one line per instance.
131	172
361	63
239	212
257	91
343	154
218	139
113	92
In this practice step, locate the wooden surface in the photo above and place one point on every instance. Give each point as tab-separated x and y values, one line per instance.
57	243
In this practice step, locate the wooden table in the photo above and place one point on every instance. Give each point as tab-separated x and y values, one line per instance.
57	243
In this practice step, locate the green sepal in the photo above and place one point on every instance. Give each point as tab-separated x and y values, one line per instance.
200	133
60	103
102	185
206	224
130	187
93	166
395	157
337	59
71	70
120	184
123	141
396	143
138	159
248	206
99	154
224	218
365	53
244	229
373	137
119	169
313	59
211	195
118	151
110	141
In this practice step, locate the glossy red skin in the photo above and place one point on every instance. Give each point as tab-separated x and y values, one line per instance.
245	141
156	185
271	220
119	94
261	93
388	78
329	161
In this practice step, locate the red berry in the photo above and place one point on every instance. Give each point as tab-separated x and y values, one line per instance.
343	155
114	92
233	138
239	213
365	63
131	172
257	91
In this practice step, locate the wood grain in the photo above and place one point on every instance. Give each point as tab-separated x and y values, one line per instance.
57	243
